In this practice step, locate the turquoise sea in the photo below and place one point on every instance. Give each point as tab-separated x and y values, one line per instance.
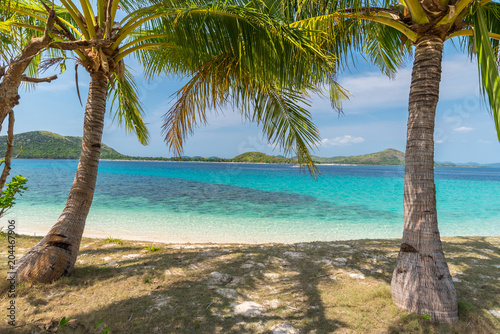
252	203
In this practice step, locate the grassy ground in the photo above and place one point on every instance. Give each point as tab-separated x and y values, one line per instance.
334	287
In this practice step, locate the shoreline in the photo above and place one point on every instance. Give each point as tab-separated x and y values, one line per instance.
255	163
174	241
41	232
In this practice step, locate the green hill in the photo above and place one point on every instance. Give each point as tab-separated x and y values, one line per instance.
48	145
389	156
257	157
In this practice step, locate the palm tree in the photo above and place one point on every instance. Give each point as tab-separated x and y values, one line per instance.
421	281
90	40
101	44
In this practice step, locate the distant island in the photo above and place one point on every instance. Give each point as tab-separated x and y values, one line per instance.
389	156
48	145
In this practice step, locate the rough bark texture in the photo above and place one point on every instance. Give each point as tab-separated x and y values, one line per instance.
9	85
55	255
421	281
8	152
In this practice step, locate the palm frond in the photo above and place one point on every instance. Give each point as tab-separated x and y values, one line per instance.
256	40
491	13
492	18
47	63
126	105
338	94
286	123
32	71
487	62
206	89
384	48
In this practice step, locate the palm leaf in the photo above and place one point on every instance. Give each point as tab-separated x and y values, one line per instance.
240	58
382	45
285	122
487	62
128	109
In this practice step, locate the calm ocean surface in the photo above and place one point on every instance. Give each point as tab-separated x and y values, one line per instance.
221	202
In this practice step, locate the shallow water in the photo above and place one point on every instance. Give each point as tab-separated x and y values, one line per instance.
222	202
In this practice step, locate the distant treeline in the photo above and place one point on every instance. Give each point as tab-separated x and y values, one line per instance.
48	145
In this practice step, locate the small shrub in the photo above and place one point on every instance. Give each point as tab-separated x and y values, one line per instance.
64	321
104	331
113	240
152	249
426	316
15	187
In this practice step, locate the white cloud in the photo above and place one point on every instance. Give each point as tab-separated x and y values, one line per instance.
439	141
372	91
482	141
341	141
459	69
463	129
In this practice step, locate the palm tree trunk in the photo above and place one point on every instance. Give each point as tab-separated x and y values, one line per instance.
421	281
55	255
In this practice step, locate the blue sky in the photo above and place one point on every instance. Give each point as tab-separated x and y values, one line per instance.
374	119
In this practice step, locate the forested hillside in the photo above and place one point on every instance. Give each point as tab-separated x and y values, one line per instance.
48	145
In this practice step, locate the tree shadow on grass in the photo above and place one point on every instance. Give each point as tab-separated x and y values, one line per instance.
176	290
177	293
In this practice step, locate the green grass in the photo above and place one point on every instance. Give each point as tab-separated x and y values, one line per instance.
114	240
152	249
174	290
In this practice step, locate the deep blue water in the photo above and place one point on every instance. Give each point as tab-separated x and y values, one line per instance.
223	202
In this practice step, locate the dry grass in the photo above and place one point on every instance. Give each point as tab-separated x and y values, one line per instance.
310	290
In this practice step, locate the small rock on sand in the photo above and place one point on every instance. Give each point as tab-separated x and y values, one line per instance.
228	293
219	278
294	255
248	309
246	266
272	276
495	313
357	276
273	304
131	256
113	265
285	328
195	266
